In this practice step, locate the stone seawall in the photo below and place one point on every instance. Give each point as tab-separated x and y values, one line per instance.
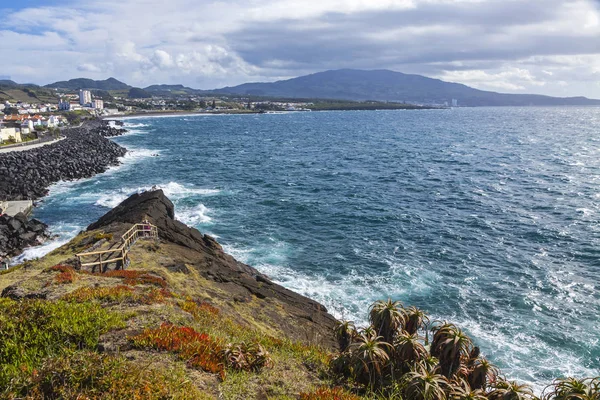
86	151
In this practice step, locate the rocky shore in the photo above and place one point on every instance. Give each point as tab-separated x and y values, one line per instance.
86	151
19	232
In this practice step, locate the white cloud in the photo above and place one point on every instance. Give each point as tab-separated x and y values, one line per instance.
514	45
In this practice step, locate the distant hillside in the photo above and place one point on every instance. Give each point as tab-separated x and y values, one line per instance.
84	83
385	85
137	93
171	90
28	93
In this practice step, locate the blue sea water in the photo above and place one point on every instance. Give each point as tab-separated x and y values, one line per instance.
487	217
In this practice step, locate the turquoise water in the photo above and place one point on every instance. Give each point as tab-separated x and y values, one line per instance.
486	217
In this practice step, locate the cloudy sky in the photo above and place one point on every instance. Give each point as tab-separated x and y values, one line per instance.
521	46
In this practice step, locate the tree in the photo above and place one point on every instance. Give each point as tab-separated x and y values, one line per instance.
11	110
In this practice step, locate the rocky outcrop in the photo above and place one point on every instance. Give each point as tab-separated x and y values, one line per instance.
18	233
241	281
106	130
84	153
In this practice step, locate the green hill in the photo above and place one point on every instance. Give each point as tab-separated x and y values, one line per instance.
385	85
84	83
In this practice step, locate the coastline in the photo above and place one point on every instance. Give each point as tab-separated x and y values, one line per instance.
83	152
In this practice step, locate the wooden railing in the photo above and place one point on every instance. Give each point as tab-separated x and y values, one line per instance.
119	256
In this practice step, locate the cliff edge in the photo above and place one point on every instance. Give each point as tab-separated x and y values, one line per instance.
183	319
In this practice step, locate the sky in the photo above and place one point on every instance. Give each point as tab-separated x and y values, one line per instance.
548	47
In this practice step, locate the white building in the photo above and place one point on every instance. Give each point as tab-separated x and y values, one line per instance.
7	134
54	121
85	97
27	124
454	103
98	104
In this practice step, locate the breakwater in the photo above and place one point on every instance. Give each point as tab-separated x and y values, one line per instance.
19	232
86	151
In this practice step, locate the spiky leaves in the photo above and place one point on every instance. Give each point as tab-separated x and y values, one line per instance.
510	390
450	344
463	391
415	320
387	317
424	383
408	350
345	331
573	389
370	358
481	371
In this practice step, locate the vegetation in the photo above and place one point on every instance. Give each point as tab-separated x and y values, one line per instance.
89	375
198	349
136	334
137	93
392	359
32	330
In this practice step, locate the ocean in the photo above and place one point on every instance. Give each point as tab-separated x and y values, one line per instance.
487	217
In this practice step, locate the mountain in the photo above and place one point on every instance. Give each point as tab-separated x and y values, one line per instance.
137	93
28	92
84	83
171	90
385	85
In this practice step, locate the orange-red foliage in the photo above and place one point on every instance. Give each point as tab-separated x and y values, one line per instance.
198	349
134	277
325	393
67	273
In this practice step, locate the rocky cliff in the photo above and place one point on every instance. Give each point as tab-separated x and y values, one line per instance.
183	320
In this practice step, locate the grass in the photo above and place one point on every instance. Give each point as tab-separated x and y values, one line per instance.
117	294
32	330
88	375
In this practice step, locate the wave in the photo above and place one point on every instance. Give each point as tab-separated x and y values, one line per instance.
173	190
64	234
194	216
129	125
348	296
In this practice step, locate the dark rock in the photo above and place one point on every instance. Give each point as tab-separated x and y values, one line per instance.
14	292
178	267
83	153
17	233
203	253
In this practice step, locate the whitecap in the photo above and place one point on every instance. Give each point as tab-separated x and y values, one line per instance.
193	216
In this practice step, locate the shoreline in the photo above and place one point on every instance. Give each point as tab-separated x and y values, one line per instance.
84	151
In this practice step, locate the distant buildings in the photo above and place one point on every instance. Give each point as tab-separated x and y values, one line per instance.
454	103
85	97
64	105
98	104
14	128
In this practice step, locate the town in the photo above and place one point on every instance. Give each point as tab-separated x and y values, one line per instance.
28	121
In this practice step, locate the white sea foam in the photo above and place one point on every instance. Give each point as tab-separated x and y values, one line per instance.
40	251
194	216
173	190
64	232
129	125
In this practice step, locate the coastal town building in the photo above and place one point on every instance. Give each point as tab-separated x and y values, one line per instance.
98	104
8	135
85	97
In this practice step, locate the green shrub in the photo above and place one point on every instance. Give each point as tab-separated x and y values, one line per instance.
32	330
89	375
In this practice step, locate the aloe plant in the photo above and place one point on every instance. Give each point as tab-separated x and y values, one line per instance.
573	389
424	383
387	317
450	345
